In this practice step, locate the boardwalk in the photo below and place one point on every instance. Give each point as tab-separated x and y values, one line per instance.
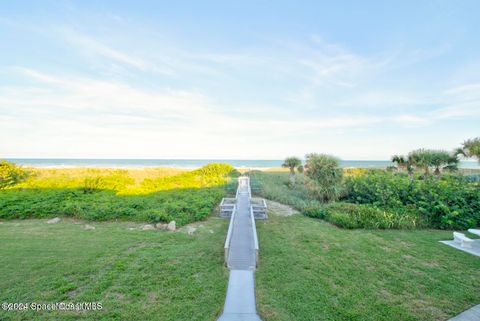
240	300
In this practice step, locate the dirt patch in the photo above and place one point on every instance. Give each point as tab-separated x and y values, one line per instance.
280	209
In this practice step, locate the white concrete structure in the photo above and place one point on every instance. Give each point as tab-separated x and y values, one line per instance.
474	231
241	255
464	243
461	239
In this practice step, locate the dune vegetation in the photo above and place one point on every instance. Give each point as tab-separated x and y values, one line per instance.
425	190
153	195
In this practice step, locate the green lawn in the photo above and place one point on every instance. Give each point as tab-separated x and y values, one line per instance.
308	270
137	275
311	270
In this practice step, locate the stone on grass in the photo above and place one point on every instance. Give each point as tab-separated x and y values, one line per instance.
148	227
53	220
171	226
89	227
161	226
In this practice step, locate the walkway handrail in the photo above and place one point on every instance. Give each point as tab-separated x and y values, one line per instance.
229	234
255	238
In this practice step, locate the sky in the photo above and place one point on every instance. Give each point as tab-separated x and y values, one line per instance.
257	79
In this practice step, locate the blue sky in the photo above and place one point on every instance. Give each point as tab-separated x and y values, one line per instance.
243	79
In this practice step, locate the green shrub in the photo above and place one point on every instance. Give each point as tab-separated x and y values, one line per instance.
352	216
324	176
449	202
185	197
314	210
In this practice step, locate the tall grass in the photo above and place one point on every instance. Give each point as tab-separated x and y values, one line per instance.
276	186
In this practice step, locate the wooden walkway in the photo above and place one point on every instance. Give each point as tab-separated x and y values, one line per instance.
242	248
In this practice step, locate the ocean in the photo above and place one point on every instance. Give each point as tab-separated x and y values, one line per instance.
191	163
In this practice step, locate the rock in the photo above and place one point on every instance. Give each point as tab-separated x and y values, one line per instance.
89	227
210	231
1	223
148	227
131	229
171	226
161	226
53	220
191	230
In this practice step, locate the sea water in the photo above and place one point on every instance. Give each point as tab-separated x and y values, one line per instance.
192	163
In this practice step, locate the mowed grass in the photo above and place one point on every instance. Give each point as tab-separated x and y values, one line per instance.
135	274
311	270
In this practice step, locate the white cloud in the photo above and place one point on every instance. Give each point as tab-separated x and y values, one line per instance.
95	48
97	117
323	89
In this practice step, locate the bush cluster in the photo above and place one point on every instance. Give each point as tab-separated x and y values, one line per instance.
447	202
381	199
352	216
108	195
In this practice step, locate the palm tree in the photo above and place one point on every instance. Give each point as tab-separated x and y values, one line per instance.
441	159
432	158
324	177
422	159
470	148
293	163
404	163
400	160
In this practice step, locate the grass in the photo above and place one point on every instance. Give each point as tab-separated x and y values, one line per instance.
75	177
273	185
311	270
137	275
308	269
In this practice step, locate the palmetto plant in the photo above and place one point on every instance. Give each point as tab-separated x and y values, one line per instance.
421	159
404	163
424	159
324	176
443	160
431	158
470	148
293	163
